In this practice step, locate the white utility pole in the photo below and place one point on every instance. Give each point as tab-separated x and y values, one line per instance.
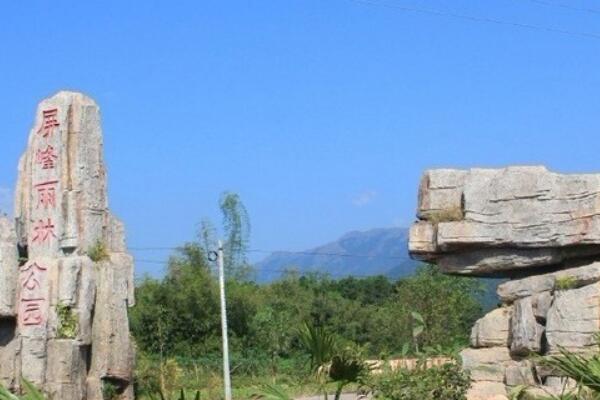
226	373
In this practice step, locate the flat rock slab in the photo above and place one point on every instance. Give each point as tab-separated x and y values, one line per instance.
491	222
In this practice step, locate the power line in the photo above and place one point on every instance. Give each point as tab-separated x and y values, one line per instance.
565	6
281	270
316	253
305	253
478	19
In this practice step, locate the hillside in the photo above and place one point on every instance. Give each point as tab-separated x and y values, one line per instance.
373	252
381	251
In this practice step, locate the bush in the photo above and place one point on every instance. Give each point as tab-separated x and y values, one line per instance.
447	382
98	252
67	322
565	283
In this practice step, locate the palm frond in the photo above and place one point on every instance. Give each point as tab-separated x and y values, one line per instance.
584	370
271	392
320	344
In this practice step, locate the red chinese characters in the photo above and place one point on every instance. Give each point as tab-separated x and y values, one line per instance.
43	231
32	301
46	192
46	158
49	123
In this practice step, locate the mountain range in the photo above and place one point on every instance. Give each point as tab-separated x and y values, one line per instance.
382	251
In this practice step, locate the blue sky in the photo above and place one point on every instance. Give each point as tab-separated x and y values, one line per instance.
321	114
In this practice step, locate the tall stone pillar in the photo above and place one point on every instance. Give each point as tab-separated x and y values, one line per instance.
66	279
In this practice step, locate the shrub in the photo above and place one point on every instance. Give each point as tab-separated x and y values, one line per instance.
565	283
445	215
110	391
67	322
98	252
447	382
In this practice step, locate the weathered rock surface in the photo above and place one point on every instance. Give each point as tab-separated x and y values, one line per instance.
526	333
521	374
63	308
541	230
496	221
541	305
8	268
575	277
487	391
493	330
574	319
487	364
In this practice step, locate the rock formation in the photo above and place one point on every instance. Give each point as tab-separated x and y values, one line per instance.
539	229
66	280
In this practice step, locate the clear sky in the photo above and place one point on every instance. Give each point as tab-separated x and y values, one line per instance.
321	114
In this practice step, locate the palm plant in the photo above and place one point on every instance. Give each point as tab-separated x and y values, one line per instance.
271	392
342	366
584	370
418	328
320	344
520	393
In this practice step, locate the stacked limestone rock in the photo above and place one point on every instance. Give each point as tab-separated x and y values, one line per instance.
537	228
66	280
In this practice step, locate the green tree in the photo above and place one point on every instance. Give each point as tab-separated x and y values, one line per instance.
448	305
178	314
236	225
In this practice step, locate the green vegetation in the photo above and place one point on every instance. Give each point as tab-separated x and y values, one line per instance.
180	396
582	369
178	318
447	382
272	392
565	283
30	392
302	334
446	215
521	393
98	252
67	322
109	390
329	362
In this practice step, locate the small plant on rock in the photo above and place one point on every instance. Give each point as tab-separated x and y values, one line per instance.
98	252
67	322
565	283
446	215
109	390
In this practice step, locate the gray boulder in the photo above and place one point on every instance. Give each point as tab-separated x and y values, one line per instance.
574	319
526	333
492	330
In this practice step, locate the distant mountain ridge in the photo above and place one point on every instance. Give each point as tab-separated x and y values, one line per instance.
381	251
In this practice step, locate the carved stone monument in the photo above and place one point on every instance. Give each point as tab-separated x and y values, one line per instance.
537	228
66	279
